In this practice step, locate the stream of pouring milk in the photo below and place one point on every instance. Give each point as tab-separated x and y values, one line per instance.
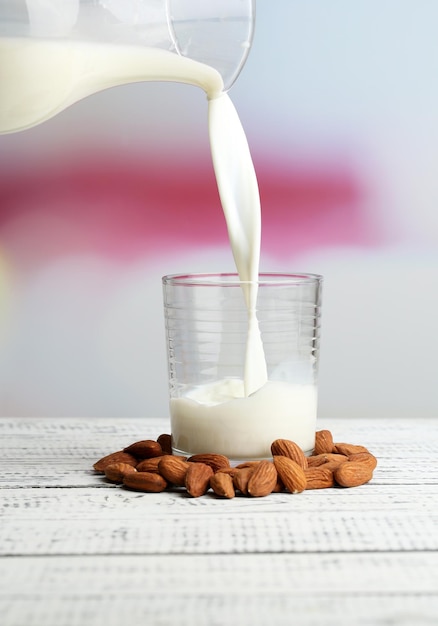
39	78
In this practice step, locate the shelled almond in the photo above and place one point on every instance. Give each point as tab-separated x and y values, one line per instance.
150	466
197	481
116	471
222	485
292	475
262	480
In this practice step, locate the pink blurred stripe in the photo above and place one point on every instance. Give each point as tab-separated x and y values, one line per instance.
127	208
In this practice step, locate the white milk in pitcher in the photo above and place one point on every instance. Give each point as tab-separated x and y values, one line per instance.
39	78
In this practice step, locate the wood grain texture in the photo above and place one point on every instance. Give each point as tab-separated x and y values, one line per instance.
77	551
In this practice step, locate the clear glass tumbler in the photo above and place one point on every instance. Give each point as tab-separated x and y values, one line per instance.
207	335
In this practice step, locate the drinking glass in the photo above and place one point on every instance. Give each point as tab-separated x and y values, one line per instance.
206	321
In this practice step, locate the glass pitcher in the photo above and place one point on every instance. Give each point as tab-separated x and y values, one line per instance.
55	52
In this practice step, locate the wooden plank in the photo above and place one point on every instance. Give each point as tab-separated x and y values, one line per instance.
86	553
117	521
309	590
295	573
118	503
397	511
237	608
98	432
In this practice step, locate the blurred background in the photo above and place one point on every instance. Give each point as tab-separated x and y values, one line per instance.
339	101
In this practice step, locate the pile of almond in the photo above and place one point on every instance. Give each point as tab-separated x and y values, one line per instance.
150	466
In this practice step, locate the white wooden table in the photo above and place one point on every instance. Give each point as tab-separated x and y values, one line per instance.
76	551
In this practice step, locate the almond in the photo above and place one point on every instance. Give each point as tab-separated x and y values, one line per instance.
320	459
173	469
165	442
317	459
145	481
279	487
334	456
116	471
222	485
349	448
215	461
353	474
115	457
319	477
262	480
364	457
284	447
227	470
241	478
149	465
246	464
323	442
198	479
144	449
291	474
331	465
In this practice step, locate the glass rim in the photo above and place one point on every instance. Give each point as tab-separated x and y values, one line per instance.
220	279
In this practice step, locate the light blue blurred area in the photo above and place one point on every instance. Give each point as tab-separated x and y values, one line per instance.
339	63
350	82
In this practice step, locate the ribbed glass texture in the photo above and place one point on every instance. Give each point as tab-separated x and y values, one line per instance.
238	381
207	324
